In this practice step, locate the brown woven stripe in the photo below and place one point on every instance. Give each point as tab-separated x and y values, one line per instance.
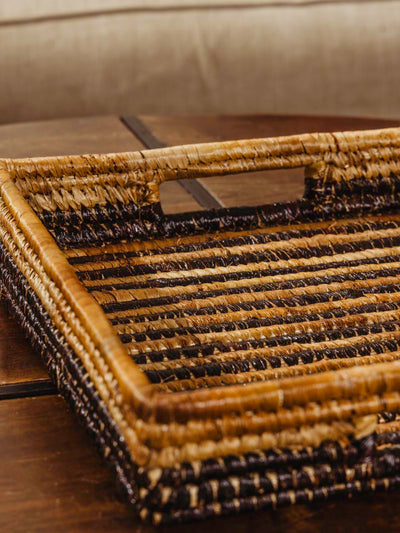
207	240
141	331
263	236
243	310
280	351
285	297
276	459
304	249
272	501
272	333
252	277
269	482
105	226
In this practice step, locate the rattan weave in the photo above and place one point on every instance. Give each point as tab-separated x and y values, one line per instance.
228	360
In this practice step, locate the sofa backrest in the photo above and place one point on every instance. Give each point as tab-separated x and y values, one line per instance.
73	58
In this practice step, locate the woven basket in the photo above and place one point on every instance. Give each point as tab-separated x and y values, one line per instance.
229	360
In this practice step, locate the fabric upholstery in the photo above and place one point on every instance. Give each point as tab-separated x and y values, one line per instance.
198	56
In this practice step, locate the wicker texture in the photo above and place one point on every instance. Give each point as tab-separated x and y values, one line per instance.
151	324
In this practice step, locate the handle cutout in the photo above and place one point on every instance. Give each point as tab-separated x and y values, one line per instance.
237	190
175	199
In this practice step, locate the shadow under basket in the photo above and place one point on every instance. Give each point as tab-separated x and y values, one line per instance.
229	360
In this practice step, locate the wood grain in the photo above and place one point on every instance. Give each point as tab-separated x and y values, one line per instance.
260	187
204	128
51	477
66	137
174	199
18	362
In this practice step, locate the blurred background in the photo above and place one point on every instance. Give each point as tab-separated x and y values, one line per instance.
80	58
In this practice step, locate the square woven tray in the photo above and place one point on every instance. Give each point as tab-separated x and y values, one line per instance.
228	360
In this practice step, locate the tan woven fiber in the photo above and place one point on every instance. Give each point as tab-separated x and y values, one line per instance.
357	153
279	399
363	153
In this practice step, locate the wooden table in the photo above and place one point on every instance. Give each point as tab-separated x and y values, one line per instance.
51	478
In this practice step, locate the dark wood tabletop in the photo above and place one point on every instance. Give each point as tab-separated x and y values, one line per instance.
51	478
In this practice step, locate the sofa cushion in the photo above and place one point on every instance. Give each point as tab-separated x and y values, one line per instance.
227	56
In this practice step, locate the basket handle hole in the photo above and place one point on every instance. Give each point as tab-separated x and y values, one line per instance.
236	190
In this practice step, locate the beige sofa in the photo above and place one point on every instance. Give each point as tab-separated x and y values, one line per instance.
81	57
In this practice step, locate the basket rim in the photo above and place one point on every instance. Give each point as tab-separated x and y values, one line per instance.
199	160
